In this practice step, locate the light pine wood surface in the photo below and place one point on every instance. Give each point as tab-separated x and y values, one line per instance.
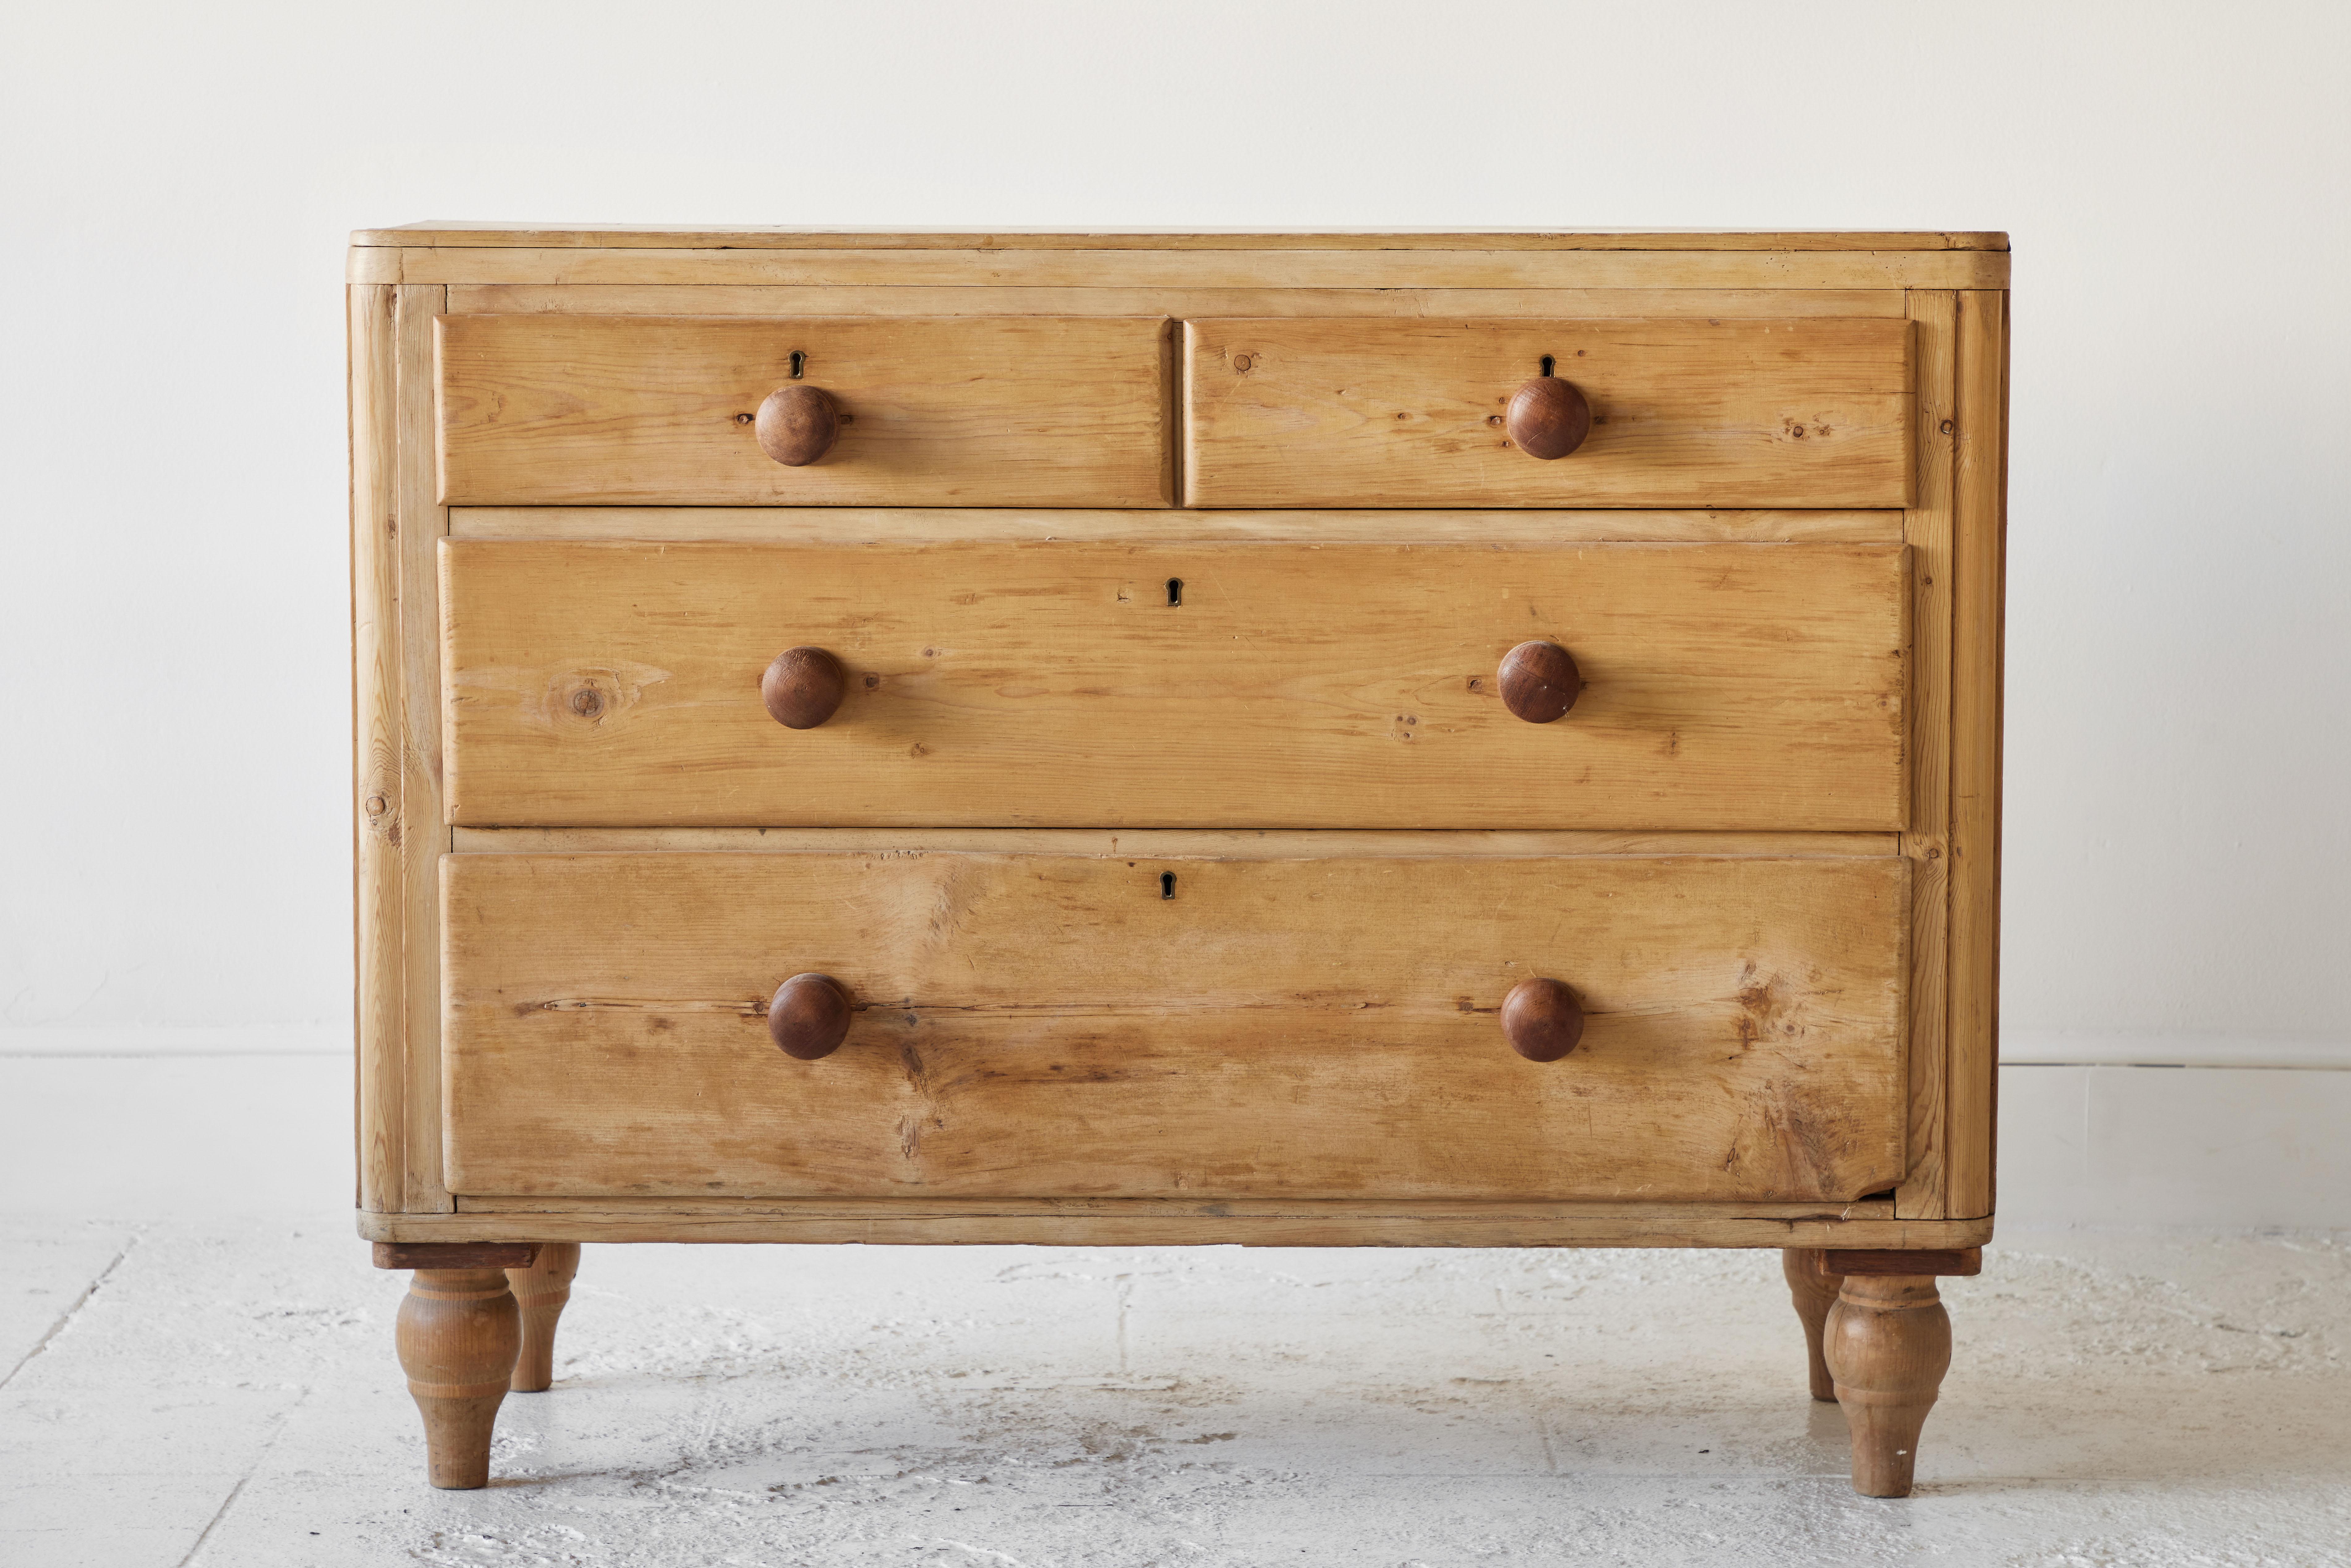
542	1288
458	1333
379	974
1355	412
1978	618
1945	285
1888	1343
1814	1292
1168	838
855	299
612	236
1039	525
1177	843
1040	1026
963	411
1926	841
454	265
1150	1222
422	523
1728	686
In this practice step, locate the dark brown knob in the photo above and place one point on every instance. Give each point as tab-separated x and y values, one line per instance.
797	424
810	1017
1539	680
803	687
1542	1020
1548	418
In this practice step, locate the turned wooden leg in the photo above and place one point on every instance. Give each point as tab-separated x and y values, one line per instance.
540	1291
1815	1291
458	1333
1888	1345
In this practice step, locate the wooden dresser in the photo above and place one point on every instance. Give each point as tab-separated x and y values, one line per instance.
1473	740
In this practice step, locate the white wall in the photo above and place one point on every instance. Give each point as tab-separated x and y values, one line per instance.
179	182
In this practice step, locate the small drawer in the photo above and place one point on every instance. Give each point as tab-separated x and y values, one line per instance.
1389	413
1207	684
925	411
1043	1025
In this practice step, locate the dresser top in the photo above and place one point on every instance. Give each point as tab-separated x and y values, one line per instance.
548	237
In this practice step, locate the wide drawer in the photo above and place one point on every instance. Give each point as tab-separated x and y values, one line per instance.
1226	684
1684	412
1042	1025
937	411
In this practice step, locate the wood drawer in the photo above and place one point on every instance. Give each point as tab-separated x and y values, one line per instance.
1687	412
940	411
1041	1025
1002	684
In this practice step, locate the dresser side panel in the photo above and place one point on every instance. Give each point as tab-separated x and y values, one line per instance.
377	977
1978	605
424	834
1925	842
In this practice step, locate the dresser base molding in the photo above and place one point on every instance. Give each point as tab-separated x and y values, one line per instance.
1136	1222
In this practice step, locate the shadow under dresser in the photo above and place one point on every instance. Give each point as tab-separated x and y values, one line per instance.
1483	740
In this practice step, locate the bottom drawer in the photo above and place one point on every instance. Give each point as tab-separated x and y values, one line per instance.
1035	1025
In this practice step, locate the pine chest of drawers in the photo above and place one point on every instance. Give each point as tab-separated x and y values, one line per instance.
1428	740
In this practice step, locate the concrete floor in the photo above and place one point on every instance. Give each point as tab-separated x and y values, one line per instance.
225	1394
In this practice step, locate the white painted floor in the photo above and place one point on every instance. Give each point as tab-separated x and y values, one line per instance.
226	1393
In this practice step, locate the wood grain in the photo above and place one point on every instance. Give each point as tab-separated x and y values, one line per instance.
1976	617
962	411
1837	1262
1724	686
1548	418
1355	412
541	1288
1042	1026
796	424
1888	1343
622	235
1150	1222
1926	843
1538	682
1832	280
1496	268
424	830
454	1254
1542	1019
379	977
755	300
1814	1292
1162	844
870	525
458	1333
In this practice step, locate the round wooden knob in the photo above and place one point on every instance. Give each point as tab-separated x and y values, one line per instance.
803	687
1539	680
796	424
1548	418
1542	1020
810	1017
